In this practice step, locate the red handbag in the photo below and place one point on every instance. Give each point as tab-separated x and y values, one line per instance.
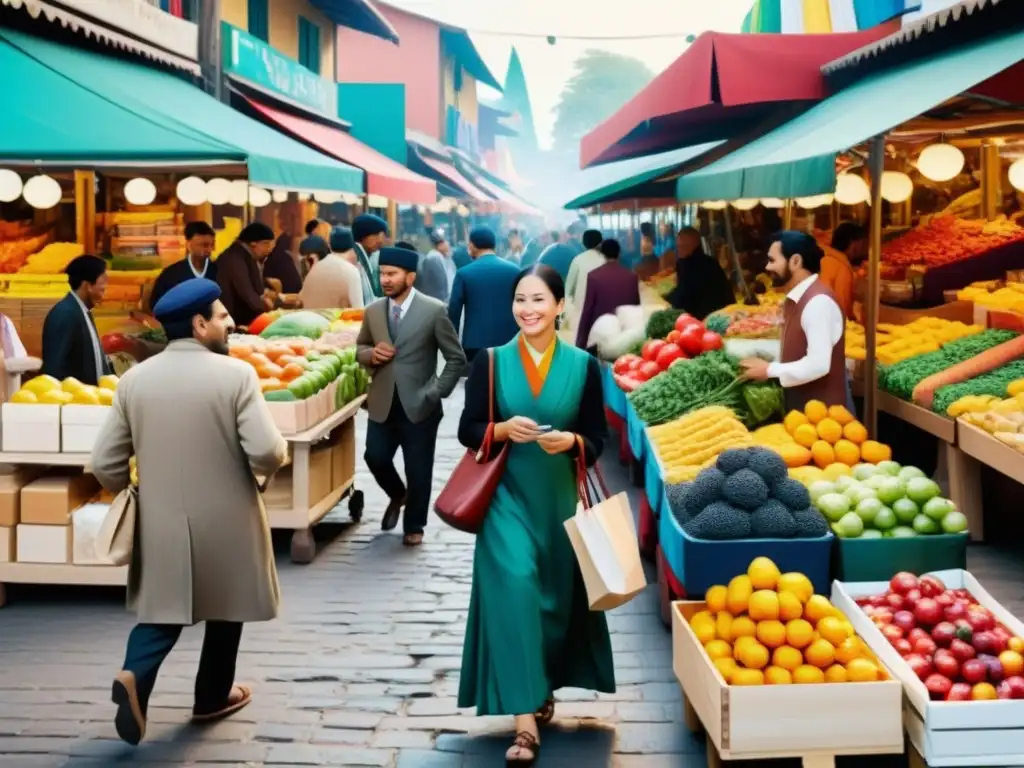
466	497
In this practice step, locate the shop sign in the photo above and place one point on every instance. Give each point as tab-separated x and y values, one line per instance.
143	21
250	59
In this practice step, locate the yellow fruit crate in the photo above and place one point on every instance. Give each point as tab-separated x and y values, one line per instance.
815	723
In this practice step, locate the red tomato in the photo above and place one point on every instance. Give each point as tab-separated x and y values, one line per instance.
635	363
668	355
673	337
648	369
652	348
710	340
684	321
691	340
623	363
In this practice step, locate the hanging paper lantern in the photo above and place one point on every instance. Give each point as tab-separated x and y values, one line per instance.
326	197
140	191
218	191
191	191
714	205
279	196
814	201
940	162
42	192
744	204
258	197
773	202
239	194
304	196
10	186
1016	175
851	189
896	186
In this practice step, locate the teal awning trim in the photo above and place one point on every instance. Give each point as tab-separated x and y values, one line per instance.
273	159
799	157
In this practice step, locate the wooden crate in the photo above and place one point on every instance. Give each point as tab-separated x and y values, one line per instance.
971	734
816	723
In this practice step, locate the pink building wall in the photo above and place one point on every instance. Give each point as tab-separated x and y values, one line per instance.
416	62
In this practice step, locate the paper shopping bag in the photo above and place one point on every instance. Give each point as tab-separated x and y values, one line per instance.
604	538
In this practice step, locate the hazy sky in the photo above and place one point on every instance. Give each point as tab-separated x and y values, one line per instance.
548	67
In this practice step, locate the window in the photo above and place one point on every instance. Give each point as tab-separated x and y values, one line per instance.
309	45
259	20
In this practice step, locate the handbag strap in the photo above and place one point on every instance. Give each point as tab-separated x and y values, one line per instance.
582	485
484	454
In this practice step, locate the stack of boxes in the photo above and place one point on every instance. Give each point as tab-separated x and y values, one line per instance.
39	428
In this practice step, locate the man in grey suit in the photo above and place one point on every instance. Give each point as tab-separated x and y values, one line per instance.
437	270
399	341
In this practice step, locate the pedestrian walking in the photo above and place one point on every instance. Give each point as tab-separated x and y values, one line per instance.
579	269
561	254
399	342
477	302
530	630
370	233
199	429
437	271
608	287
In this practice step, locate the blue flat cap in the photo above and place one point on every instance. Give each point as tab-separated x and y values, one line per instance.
314	244
483	237
366	224
399	257
342	240
186	299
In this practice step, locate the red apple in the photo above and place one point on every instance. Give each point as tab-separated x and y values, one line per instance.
959	692
943	634
910	599
995	670
902	646
1002	639
962	593
891	632
919	665
916	634
930	586
1004	691
945	663
926	647
961	651
1016	684
938	686
944	599
879	600
980	619
903	582
904	620
974	671
928	612
895	601
984	642
955	611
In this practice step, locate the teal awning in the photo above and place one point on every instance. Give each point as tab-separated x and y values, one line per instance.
273	159
39	124
799	157
633	179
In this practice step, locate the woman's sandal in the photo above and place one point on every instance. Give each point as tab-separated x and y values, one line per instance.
546	713
524	742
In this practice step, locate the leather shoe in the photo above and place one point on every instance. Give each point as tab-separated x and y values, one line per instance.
392	513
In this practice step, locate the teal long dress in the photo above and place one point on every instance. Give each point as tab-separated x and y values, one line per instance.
530	630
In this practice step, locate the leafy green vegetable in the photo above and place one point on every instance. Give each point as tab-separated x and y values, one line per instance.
710	379
718	322
662	322
991	383
312	325
764	400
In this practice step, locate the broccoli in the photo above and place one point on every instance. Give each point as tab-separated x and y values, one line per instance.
772	520
678	494
732	460
719	522
810	524
768	464
705	489
745	489
792	493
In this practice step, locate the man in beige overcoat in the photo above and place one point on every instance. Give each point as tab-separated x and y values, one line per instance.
200	430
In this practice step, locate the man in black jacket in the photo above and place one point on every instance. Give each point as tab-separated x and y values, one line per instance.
200	239
71	343
701	284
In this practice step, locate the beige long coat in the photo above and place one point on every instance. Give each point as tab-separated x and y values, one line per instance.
200	428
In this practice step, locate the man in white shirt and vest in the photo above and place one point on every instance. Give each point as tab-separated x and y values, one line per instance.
812	364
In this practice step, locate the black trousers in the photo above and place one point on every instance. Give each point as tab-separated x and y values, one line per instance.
149	644
417	442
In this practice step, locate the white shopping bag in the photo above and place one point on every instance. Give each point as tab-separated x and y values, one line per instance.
604	539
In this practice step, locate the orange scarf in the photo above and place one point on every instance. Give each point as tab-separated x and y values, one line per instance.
536	374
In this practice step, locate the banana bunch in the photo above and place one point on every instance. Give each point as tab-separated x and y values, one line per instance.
52	259
133	471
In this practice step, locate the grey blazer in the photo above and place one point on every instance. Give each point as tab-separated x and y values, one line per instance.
424	331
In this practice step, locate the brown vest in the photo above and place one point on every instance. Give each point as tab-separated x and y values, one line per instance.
830	388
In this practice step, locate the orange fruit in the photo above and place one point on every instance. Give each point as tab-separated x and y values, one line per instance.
718	649
794	455
753	655
787	657
1013	663
793	420
830	430
855	432
747	677
847	452
704	628
292	371
820	654
873	451
725	667
862	671
777	676
716	597
790	606
1016	644
740	644
763	573
798	584
771	633
817	608
851	648
815	410
833	629
822	453
805	435
740	591
723	626
742	626
799	633
805	674
984	692
763	605
840	414
835	674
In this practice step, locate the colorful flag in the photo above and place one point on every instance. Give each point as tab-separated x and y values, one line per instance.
823	16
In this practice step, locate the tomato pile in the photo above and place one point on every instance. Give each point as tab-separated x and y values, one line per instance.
688	339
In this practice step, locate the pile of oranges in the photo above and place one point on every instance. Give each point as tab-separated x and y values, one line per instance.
769	628
830	434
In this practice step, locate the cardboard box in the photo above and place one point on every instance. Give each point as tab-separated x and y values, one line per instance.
279	493
8	551
44	544
50	500
30	428
80	426
343	454
10	493
292	417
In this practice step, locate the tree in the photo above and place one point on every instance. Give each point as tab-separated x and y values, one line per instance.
602	83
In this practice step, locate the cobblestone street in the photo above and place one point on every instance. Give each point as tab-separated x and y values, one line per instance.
361	668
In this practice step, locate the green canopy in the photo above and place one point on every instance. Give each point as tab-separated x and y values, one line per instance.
39	123
637	178
161	98
799	157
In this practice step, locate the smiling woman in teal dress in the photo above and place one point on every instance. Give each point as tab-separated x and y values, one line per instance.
530	630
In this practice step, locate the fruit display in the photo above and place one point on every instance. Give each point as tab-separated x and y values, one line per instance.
829	434
745	321
899	379
662	322
992	383
297	368
946	239
894	343
974	376
953	644
687	338
46	390
662	282
886	500
1010	297
746	495
692	442
52	259
17	244
1003	418
769	628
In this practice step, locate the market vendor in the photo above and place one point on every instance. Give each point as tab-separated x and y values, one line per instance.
701	284
200	240
812	364
240	274
849	250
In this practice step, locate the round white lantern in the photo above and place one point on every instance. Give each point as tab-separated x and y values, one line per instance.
279	195
744	204
896	186
191	191
1016	173
326	197
773	202
851	189
218	191
258	197
42	192
140	191
713	205
304	196
10	186
239	194
940	162
814	201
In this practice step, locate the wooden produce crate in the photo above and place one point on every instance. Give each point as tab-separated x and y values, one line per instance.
971	734
980	445
815	723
